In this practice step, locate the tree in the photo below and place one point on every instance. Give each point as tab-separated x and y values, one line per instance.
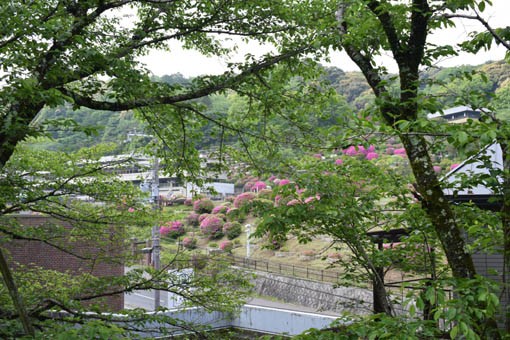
85	53
55	184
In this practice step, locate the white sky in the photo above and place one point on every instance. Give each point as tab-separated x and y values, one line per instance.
191	63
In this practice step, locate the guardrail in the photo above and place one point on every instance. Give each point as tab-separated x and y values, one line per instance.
314	274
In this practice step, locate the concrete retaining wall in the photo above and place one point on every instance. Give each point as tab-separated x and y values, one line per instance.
321	296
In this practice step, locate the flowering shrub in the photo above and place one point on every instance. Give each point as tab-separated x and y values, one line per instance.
390	151
259	185
308	253
243	199
283	182
437	169
248	186
189	243
232	229
226	246
293	202
212	226
311	199
220	209
188	202
192	219
172	229
339	161
202	217
372	155
400	152
350	151
453	166
203	205
317	155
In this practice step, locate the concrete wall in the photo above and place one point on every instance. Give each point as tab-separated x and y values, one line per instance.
253	318
321	296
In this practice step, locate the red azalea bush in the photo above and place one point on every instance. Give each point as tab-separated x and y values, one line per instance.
212	226
203	205
243	199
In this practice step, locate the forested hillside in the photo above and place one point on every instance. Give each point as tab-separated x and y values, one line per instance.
450	86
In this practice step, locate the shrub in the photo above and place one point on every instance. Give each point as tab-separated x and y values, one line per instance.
203	205
212	226
189	243
259	185
172	229
243	199
226	246
202	217
220	209
212	245
232	230
192	219
188	202
234	214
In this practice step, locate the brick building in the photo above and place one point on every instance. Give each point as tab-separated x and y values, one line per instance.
87	259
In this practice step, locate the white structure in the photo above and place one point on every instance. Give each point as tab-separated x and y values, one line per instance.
459	114
473	166
137	170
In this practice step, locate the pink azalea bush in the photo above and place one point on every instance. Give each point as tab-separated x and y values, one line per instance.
188	202
437	168
293	202
372	155
283	182
339	161
192	219
202	217
220	209
243	199
400	152
259	185
203	205
350	151
232	229
189	243
172	229
212	226
453	166
226	246
265	193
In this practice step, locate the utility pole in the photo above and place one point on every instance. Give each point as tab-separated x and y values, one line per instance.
155	227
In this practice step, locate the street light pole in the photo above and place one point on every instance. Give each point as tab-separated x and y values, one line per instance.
155	228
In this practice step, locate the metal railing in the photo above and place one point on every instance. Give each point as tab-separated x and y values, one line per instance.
303	272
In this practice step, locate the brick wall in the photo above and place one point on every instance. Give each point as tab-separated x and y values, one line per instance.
36	253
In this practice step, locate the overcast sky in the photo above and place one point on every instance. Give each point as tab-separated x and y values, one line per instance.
192	63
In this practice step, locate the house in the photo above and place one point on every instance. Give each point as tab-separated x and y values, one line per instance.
459	114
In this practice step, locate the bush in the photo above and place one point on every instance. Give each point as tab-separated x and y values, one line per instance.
202	217
220	209
189	243
232	229
203	205
188	202
226	246
234	214
192	219
172	229
212	226
243	199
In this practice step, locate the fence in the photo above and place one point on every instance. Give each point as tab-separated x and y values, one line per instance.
314	274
